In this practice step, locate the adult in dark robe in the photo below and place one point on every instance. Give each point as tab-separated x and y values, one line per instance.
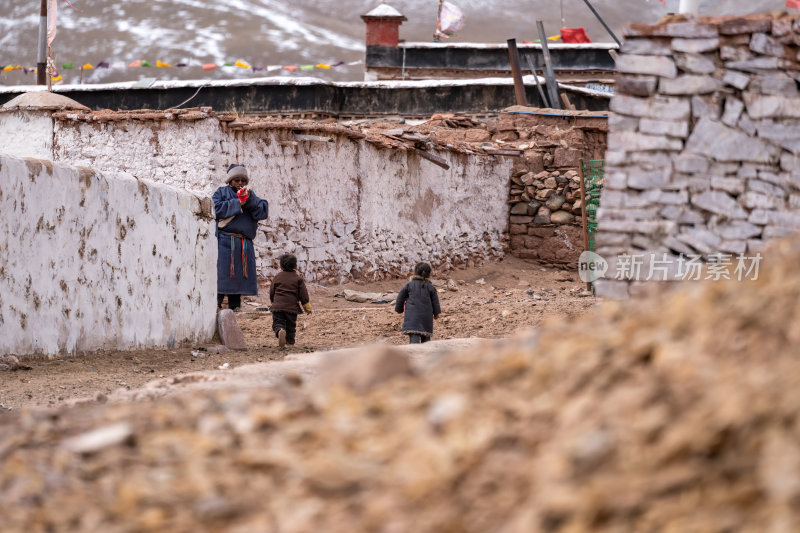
238	211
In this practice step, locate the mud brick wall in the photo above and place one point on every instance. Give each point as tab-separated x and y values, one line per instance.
96	261
705	143
544	194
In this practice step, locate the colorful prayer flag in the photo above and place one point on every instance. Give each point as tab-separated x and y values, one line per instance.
209	66
160	63
241	64
103	64
52	8
134	64
87	66
306	67
451	19
67	65
146	63
56	79
323	65
290	68
227	64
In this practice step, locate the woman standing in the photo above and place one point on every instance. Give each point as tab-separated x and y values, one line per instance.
238	211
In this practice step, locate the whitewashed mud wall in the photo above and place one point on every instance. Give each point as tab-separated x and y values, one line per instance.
345	208
100	261
27	134
704	150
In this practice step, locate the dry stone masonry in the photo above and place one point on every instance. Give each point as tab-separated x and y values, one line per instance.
544	195
703	145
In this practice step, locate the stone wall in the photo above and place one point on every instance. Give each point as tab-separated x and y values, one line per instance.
703	150
544	196
96	261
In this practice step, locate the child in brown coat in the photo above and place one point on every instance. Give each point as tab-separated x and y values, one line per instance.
287	293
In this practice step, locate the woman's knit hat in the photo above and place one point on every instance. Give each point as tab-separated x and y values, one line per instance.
237	171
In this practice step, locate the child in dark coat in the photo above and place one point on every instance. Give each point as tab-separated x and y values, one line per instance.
419	300
287	292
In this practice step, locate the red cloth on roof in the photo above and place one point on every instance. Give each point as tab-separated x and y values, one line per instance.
794	4
576	35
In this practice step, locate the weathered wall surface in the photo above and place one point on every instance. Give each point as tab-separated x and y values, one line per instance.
704	150
100	261
345	207
26	134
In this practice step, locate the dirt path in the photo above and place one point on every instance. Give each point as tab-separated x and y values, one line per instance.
514	295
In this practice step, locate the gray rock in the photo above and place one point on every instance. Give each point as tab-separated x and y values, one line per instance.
764	187
715	140
732	247
734	53
695	63
562	217
622	123
695	46
519	209
518	219
542	216
737	230
666	198
762	43
665	127
736	79
555	202
649	179
720	203
705	107
778	232
779	84
755	65
771	106
651	160
647	227
655	107
733	110
650	65
786	135
766	217
229	330
636	142
689	84
692	163
647	47
700	239
615	179
721	169
739	26
636	85
747	125
608	213
790	163
754	200
733	186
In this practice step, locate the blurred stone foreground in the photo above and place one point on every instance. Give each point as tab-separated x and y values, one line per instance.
678	414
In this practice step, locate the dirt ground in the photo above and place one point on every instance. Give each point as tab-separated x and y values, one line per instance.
514	295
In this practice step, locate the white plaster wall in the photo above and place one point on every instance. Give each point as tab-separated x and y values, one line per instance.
26	134
100	261
171	152
346	208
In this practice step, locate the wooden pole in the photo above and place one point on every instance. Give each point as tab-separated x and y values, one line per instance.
584	217
438	16
550	77
41	54
519	86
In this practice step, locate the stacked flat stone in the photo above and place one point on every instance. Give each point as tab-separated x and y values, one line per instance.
705	140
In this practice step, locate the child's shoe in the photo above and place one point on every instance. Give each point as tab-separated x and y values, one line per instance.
282	338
